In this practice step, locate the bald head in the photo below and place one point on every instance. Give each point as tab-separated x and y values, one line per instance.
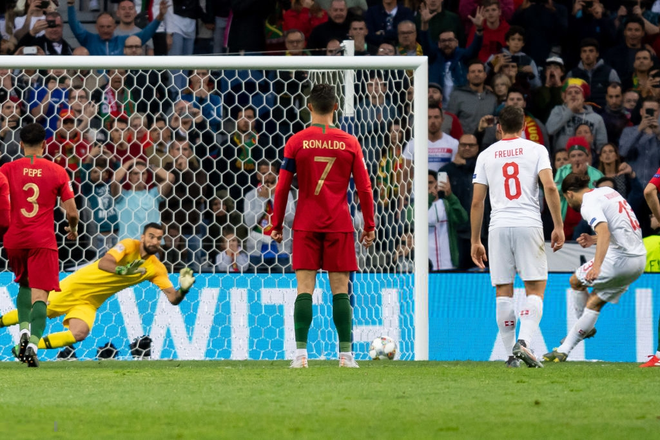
80	51
468	148
133	46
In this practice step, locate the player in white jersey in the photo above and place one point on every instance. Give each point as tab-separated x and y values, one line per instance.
620	254
509	171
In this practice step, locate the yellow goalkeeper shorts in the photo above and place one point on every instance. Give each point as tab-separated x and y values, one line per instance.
63	303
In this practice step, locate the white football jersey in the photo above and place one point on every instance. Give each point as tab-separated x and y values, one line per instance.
510	168
441	152
607	205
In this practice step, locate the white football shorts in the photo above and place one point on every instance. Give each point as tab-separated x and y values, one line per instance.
512	250
617	273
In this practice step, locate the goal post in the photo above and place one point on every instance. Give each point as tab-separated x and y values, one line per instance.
244	340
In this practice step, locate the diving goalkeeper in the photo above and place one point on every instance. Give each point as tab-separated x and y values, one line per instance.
128	263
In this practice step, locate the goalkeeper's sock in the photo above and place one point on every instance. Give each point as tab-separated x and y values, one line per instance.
581	328
506	322
302	319
57	340
9	318
24	307
37	321
530	317
342	315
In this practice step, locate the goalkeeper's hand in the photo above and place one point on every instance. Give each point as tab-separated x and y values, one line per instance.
131	268
186	280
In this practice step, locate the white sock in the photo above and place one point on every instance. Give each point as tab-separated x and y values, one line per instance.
580	298
657	354
530	317
506	322
583	326
345	353
301	352
34	347
24	331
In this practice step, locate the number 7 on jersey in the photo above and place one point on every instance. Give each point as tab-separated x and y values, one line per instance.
330	161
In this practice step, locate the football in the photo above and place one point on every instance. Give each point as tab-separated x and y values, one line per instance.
382	348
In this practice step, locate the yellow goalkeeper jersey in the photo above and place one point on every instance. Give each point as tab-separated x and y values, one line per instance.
94	285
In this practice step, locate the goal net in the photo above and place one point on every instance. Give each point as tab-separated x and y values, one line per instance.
203	161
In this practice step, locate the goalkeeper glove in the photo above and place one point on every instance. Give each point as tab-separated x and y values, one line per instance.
131	268
186	280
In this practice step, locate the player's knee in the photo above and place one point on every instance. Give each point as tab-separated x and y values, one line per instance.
575	283
80	332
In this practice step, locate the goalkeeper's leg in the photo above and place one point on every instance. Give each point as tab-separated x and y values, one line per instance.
78	330
8	319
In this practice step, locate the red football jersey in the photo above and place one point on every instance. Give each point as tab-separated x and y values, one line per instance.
34	185
5	206
655	180
324	158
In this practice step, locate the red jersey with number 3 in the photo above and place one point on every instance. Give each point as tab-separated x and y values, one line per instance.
510	168
34	186
324	158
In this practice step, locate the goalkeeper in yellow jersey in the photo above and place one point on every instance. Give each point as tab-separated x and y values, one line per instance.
128	263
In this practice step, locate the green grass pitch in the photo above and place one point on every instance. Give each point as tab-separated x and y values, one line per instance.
264	400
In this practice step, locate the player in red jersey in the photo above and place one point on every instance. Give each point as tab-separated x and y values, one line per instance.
5	205
34	186
324	158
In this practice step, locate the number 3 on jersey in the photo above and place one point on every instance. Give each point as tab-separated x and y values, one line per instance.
510	172
32	199
625	207
330	161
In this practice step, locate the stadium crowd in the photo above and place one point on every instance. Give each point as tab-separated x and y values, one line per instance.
199	150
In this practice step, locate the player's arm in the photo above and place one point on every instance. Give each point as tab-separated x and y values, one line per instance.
167	179
478	252
602	244
552	196
287	171
651	196
108	263
186	281
72	217
365	196
5	207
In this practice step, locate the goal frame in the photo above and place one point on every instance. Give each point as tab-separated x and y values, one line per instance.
418	64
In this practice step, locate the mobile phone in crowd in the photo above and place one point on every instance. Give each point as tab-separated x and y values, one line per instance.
30	50
442	178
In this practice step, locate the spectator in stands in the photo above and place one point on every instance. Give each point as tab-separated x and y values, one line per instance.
33	15
386	49
139	131
407	35
151	84
133	45
440	20
549	95
372	116
383	19
356	7
472	102
513	54
630	100
622	57
640	145
641	80
182	212
137	203
220	216
83	109
99	206
200	92
51	41
445	214
89	80
10	114
450	123
121	145
559	159
447	62
160	135
335	28
46	100
460	171
358	31
613	114
612	165
114	98
545	24
533	130
594	71
248	24
257	217
467	8
233	258
126	14
565	118
188	121
494	28
589	23
105	42
405	253
304	15
389	201
579	157
67	147
333	49
501	86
